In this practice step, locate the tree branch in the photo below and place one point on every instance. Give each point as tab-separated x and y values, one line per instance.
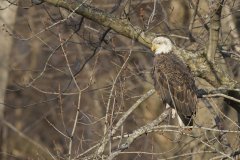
121	26
196	61
215	23
137	133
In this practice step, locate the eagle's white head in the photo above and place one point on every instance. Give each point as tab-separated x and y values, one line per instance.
161	45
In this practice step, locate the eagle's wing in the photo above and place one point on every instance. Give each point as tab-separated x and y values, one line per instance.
175	84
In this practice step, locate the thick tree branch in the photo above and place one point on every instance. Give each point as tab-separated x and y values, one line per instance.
122	26
215	23
196	61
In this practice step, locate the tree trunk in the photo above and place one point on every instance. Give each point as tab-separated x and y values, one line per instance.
7	20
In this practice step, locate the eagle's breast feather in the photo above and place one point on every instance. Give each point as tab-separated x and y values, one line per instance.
175	84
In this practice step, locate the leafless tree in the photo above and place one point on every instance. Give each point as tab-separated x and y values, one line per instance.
80	83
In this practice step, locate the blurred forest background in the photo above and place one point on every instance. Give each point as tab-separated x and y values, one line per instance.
67	81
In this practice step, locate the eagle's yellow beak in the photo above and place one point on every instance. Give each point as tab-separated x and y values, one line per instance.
153	48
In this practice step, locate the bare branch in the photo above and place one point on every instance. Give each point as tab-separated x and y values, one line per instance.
215	23
28	139
193	19
234	32
105	19
137	133
196	61
131	109
106	128
221	95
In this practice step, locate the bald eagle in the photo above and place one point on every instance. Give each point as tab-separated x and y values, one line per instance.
173	81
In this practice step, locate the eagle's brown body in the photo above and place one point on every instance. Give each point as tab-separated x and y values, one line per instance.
175	84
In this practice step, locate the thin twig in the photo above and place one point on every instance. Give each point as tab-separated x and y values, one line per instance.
221	95
201	18
150	20
52	125
104	141
192	20
79	101
44	149
61	107
74	127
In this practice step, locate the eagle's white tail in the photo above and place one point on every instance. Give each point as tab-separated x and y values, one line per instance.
174	113
180	121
